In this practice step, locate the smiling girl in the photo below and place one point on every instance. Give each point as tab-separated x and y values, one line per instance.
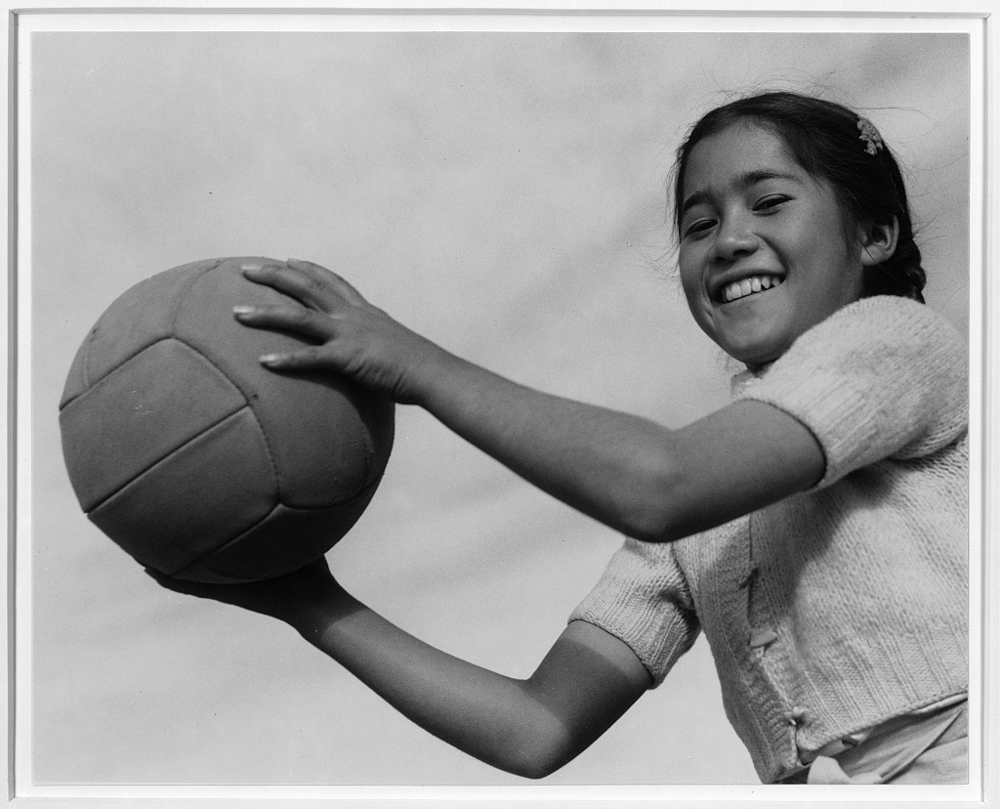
815	529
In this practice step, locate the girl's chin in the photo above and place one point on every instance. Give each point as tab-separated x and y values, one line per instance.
752	335
756	352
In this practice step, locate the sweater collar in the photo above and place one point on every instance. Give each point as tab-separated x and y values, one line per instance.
748	378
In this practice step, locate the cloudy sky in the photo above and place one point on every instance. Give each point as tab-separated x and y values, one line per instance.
502	193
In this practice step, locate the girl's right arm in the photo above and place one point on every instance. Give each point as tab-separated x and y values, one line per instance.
634	475
528	727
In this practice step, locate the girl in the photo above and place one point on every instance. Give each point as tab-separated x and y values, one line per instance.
815	529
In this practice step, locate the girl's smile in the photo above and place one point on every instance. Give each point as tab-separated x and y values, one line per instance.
764	251
748	286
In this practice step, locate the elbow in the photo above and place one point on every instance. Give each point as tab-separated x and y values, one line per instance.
653	524
652	508
658	528
539	759
539	747
534	770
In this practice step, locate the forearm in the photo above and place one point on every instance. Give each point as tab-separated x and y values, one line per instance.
489	716
615	467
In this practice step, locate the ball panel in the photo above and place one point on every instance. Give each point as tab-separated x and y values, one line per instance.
137	414
378	414
322	447
76	379
285	541
131	323
195	500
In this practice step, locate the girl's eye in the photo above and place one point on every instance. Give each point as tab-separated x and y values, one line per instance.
700	226
768	204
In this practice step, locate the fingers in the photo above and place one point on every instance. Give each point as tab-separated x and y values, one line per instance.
298	319
311	284
323	294
303	360
191	588
327	279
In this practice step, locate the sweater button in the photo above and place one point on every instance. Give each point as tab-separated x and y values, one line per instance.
795	716
762	636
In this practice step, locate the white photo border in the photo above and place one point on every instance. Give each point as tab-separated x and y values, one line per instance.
976	17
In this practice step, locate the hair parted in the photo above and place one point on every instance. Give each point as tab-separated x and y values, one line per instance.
823	137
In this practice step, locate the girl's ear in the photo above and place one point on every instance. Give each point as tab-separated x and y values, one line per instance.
878	242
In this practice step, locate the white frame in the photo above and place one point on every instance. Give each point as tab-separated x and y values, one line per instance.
977	16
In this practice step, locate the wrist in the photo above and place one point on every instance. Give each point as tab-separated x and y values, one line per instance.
316	611
428	378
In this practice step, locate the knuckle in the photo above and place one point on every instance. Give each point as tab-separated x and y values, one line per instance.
307	356
314	285
300	316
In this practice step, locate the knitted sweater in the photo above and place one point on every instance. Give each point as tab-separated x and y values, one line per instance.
845	605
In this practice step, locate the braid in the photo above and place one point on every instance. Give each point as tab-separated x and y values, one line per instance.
902	273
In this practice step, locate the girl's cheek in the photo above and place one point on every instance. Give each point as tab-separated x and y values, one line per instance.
691	287
686	281
690	261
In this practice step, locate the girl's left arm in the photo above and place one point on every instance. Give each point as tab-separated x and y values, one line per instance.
632	474
530	727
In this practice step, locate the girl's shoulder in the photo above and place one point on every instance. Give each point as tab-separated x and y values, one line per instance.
879	329
895	309
882	377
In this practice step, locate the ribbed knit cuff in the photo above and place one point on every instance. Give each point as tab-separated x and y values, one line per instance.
639	601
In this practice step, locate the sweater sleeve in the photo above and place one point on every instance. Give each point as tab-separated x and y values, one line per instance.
885	377
643	599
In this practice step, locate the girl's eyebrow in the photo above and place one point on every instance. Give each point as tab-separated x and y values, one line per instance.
745	180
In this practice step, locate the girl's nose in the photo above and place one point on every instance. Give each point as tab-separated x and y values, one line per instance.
734	239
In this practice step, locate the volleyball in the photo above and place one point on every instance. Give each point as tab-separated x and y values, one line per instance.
197	460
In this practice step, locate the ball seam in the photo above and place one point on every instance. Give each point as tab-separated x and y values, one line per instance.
248	404
146	470
278	483
360	494
89	382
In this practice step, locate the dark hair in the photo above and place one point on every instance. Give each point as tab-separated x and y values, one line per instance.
825	139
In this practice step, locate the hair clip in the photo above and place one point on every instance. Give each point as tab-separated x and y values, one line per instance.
870	135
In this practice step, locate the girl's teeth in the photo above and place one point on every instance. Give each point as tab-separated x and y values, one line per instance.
740	289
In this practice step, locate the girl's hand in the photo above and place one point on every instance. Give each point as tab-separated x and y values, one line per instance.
289	598
357	339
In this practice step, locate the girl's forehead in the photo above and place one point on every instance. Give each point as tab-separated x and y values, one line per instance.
740	147
737	160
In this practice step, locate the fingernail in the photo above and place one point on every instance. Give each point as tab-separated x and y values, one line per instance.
249	269
242	310
268	359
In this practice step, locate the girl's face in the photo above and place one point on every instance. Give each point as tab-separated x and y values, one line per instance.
764	253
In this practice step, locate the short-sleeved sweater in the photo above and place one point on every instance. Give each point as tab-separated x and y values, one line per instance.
847	604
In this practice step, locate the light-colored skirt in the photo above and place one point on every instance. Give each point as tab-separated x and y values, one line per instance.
930	748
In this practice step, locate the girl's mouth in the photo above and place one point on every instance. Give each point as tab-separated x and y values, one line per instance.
748	286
